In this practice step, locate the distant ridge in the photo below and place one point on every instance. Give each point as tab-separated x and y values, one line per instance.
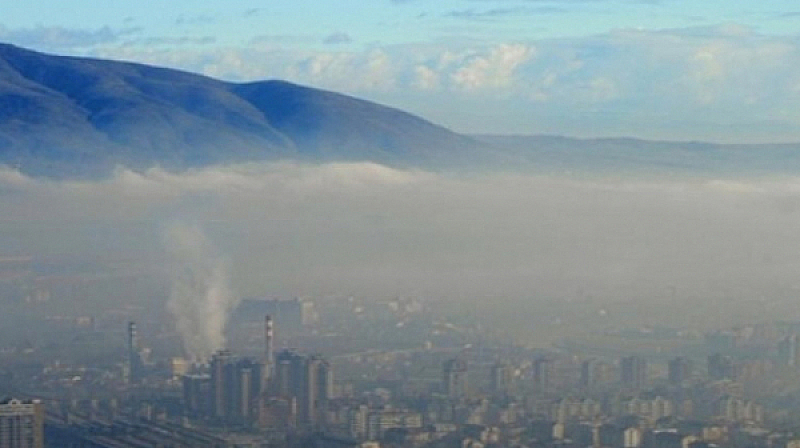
68	116
554	153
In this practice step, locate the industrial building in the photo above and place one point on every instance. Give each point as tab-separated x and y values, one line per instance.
21	424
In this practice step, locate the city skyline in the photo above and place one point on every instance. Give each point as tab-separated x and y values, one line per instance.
210	261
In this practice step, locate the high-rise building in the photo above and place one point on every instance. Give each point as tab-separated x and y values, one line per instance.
502	377
21	424
454	377
679	370
306	380
235	387
244	389
218	396
281	383
595	372
135	364
543	370
789	350
633	371
588	373
632	438
721	367
197	395
608	434
324	382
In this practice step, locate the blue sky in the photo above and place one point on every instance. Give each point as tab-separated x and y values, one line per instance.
662	69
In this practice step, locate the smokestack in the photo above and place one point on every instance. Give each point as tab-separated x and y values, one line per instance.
266	373
269	340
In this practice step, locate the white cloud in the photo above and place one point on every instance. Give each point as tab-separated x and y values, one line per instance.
603	89
495	71
350	72
426	79
719	83
56	38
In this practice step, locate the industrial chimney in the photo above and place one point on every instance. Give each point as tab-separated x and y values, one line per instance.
269	347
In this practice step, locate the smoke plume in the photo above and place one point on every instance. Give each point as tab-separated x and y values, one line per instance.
200	298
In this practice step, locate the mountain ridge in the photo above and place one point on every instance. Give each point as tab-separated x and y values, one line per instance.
66	115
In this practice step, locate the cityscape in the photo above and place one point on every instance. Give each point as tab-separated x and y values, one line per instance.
343	372
400	224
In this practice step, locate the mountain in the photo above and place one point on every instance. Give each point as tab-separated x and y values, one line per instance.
68	116
552	153
77	117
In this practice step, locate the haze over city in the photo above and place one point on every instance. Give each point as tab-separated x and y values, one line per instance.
400	223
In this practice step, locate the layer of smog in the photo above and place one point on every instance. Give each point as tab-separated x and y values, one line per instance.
495	241
234	226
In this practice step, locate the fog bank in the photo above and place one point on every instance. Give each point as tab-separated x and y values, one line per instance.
291	229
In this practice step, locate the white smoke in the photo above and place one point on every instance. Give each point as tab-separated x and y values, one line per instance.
201	298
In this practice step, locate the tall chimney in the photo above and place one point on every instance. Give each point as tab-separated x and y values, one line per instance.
269	346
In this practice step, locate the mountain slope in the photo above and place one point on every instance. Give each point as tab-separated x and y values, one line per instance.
64	116
75	117
322	123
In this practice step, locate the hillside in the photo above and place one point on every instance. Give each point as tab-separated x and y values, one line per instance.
63	116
